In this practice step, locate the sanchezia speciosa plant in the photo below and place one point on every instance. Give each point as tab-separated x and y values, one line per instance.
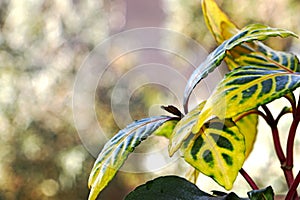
218	135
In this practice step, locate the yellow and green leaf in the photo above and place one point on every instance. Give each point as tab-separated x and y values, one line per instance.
247	34
216	150
217	21
184	128
267	57
222	28
248	127
247	88
117	149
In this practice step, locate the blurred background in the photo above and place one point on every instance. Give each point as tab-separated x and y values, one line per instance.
43	43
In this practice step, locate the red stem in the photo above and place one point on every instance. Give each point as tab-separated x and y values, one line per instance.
290	143
291	137
290	155
292	191
276	139
287	169
249	180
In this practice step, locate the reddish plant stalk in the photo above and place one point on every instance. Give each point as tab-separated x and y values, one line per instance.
249	180
292	191
291	137
276	139
287	169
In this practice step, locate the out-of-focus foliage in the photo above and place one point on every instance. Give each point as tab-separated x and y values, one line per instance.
186	17
42	44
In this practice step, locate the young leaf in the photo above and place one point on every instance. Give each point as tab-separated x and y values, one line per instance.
222	28
217	21
247	34
217	150
247	88
117	149
183	129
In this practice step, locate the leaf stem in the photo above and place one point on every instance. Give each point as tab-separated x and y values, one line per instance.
275	133
292	191
255	111
291	99
249	180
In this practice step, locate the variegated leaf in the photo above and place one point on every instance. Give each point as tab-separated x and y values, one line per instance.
248	127
217	150
246	88
248	34
183	129
223	28
117	149
267	57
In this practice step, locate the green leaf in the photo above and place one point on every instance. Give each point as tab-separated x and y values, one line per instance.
247	34
172	188
167	128
167	188
217	150
117	149
183	129
247	88
263	194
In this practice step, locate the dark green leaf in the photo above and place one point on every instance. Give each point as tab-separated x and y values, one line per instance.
173	188
263	194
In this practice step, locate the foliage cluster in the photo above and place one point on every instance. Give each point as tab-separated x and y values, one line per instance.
217	136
